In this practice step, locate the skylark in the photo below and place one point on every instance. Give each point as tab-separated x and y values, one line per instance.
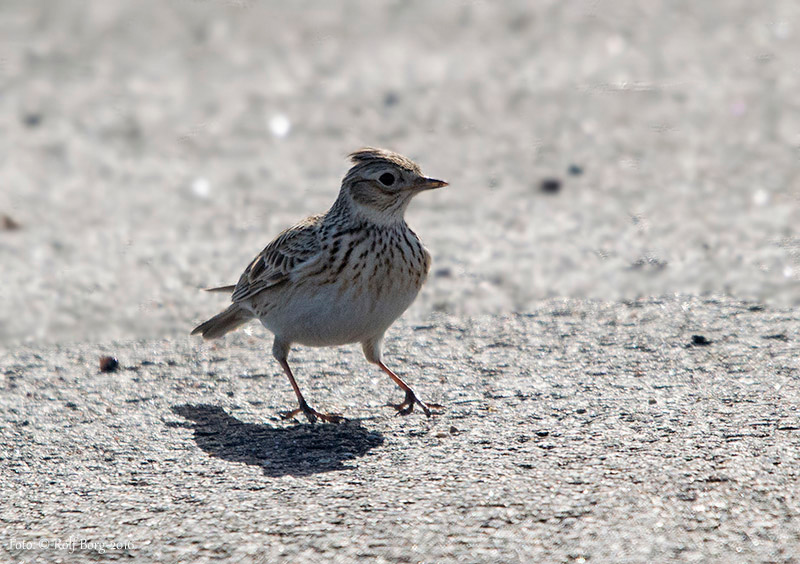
340	277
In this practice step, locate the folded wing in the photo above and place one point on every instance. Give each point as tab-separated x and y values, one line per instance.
274	265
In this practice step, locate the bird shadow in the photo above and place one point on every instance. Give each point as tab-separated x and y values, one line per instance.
300	450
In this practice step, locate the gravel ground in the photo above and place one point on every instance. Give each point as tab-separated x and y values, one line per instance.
580	431
624	176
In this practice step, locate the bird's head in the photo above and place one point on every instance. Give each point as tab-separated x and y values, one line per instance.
381	183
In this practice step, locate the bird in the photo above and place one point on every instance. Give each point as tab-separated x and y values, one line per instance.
340	277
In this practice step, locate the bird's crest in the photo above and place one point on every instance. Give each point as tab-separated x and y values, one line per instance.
371	155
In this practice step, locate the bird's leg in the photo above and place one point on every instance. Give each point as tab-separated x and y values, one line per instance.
311	414
411	398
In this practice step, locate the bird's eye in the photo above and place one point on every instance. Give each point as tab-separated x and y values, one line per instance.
387	178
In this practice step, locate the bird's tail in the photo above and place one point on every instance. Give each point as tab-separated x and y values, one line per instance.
224	322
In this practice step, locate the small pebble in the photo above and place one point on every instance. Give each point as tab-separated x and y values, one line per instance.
32	119
550	185
776	336
542	433
580	410
700	341
391	99
454	430
108	364
279	125
7	223
575	170
652	401
201	187
761	197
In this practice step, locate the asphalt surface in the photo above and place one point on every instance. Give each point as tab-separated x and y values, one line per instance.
610	323
576	432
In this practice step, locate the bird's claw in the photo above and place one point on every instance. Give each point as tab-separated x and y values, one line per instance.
407	407
312	414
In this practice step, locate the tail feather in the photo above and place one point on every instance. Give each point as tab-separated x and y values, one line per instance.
224	322
227	289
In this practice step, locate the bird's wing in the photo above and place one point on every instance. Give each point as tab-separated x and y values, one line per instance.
274	265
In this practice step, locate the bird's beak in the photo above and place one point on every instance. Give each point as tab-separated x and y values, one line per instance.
428	184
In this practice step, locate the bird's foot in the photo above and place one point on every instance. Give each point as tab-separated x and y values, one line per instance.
411	399
312	414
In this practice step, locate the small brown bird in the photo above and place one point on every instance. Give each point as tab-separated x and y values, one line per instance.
340	277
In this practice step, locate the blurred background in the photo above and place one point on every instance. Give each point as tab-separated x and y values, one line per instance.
603	150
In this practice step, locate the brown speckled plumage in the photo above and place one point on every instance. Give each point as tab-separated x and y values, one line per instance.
340	277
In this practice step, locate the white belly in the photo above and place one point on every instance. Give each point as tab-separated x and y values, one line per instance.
339	313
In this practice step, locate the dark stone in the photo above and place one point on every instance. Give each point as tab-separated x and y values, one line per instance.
8	223
550	185
776	337
391	99
32	119
108	364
